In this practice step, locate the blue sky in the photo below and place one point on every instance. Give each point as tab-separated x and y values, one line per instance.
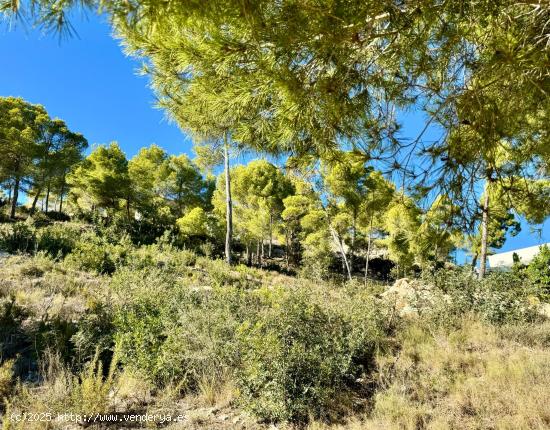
88	82
94	87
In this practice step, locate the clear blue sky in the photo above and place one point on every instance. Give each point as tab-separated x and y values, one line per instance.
88	82
93	86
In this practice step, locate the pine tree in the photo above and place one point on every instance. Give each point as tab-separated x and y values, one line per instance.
102	181
59	150
20	125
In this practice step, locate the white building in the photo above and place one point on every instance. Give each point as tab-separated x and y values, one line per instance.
505	260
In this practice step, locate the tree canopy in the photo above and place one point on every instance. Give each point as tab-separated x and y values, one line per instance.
311	80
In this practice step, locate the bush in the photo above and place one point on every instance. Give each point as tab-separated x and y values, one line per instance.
498	298
55	334
318	257
6	379
301	360
94	333
92	392
57	239
294	352
97	254
538	271
180	332
63	392
13	338
38	219
3	215
146	231
17	237
160	254
32	235
58	216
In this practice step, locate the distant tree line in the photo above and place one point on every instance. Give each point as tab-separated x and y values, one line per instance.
36	154
334	215
311	81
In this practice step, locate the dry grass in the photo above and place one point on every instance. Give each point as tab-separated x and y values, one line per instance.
62	392
216	390
134	389
472	378
478	377
6	378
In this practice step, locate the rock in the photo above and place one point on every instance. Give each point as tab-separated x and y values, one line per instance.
545	310
408	296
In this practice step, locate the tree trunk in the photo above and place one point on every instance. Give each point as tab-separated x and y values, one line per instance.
61	196
128	208
258	254
474	262
248	255
270	234
484	228
368	251
9	194
342	251
287	249
353	237
15	197
48	198
263	249
35	200
228	203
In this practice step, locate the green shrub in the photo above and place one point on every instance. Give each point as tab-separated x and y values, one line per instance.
62	392
33	235
301	360
57	216
58	239
6	378
160	255
498	298
97	254
218	271
92	392
207	249
12	335
295	352
140	320
94	334
55	334
179	332
317	258
17	237
3	215
38	219
538	271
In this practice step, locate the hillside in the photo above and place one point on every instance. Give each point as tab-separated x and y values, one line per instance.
165	332
304	243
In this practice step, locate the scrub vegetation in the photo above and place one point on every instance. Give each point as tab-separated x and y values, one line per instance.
336	279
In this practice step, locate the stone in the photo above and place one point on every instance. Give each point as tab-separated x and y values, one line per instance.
408	296
544	310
